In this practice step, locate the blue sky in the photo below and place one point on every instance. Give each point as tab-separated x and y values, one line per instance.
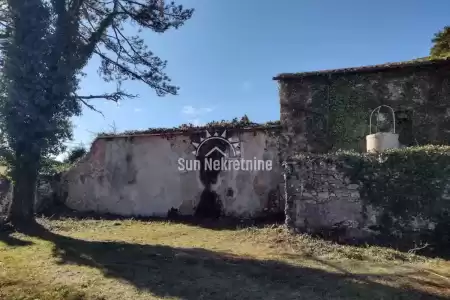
224	58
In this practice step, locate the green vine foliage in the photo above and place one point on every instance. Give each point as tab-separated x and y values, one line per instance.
243	122
405	185
341	110
338	107
348	116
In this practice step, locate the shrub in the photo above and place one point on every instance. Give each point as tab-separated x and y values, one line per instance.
409	186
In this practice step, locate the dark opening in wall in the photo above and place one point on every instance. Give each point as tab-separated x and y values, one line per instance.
404	127
210	154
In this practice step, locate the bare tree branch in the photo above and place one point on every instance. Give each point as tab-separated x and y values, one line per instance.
90	106
116	96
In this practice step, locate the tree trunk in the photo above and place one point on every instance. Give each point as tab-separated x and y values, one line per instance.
24	191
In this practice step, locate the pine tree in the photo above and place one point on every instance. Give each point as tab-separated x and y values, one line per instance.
45	46
441	44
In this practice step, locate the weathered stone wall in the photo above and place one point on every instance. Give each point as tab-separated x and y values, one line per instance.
322	112
327	111
401	193
325	197
139	176
320	198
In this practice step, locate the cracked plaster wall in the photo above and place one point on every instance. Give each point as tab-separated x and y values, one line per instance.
139	176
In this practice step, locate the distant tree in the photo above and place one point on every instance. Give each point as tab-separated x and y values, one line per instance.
245	120
441	44
75	154
50	166
45	46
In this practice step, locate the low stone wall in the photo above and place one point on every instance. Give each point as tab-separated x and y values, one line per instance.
320	197
402	193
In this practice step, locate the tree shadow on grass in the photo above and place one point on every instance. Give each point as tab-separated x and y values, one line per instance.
192	274
404	245
12	241
8	239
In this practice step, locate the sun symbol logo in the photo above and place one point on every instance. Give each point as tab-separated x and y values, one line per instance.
233	145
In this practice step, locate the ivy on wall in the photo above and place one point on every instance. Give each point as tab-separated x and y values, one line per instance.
349	115
344	105
341	105
408	188
407	185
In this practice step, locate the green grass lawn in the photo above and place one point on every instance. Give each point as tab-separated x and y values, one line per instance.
132	260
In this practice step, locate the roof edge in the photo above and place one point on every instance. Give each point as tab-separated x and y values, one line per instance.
420	62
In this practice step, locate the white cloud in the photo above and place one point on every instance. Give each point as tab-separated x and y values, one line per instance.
192	111
196	122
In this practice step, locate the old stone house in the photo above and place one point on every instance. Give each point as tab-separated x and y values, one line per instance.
327	110
138	174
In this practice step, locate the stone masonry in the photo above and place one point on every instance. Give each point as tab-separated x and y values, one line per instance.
322	198
329	110
325	111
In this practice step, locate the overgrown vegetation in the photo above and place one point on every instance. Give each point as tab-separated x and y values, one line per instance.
236	123
135	260
338	116
409	187
75	154
341	108
51	167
